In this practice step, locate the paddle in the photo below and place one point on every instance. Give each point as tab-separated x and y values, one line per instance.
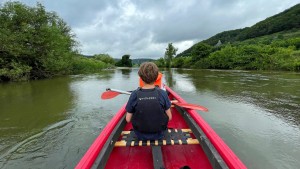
111	93
191	106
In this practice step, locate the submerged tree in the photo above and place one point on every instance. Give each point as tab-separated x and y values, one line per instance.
169	54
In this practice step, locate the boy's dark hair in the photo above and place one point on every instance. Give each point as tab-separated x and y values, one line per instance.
148	72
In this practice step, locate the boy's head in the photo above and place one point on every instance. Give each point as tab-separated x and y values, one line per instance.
148	72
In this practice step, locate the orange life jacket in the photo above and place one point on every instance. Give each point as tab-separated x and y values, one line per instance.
158	81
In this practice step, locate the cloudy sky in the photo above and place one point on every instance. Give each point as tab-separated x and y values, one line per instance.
143	28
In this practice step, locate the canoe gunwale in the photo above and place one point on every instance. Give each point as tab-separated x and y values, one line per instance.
104	154
212	154
226	153
218	153
87	161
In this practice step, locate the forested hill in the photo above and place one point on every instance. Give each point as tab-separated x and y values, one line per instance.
284	21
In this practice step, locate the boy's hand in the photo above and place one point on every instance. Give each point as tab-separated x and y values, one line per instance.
174	101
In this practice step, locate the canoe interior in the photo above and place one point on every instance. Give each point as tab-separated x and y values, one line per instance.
174	156
205	150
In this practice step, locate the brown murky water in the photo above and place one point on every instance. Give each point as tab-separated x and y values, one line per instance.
51	123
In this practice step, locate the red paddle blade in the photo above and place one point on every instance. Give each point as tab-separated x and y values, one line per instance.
109	94
192	106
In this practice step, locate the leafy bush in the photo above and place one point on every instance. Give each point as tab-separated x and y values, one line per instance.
15	72
87	65
105	58
34	39
160	62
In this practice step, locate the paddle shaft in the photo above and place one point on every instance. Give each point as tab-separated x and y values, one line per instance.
119	91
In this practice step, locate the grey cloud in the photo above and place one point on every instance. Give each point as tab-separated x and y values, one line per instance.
143	28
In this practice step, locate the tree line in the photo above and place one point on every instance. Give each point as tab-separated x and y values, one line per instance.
285	21
272	44
38	44
280	54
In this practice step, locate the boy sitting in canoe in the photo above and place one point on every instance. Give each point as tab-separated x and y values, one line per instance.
148	106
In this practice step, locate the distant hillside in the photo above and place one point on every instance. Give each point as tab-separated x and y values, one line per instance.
139	61
87	56
284	21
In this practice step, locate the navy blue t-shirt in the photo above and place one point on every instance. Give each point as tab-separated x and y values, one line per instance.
132	101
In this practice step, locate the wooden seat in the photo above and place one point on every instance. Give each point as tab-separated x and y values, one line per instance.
171	137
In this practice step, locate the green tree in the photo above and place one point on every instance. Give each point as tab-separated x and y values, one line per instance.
169	54
86	65
34	43
160	62
178	62
200	51
105	58
125	61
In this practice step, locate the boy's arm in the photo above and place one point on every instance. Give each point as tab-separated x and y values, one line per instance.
128	117
169	114
167	105
130	106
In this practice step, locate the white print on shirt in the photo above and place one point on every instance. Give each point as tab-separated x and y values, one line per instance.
147	98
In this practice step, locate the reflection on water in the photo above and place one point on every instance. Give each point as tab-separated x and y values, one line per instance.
31	106
54	121
276	92
183	84
168	74
256	113
26	109
126	72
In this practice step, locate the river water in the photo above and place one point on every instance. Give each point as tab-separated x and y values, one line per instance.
51	123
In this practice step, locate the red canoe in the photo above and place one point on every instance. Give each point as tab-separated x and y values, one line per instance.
189	143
